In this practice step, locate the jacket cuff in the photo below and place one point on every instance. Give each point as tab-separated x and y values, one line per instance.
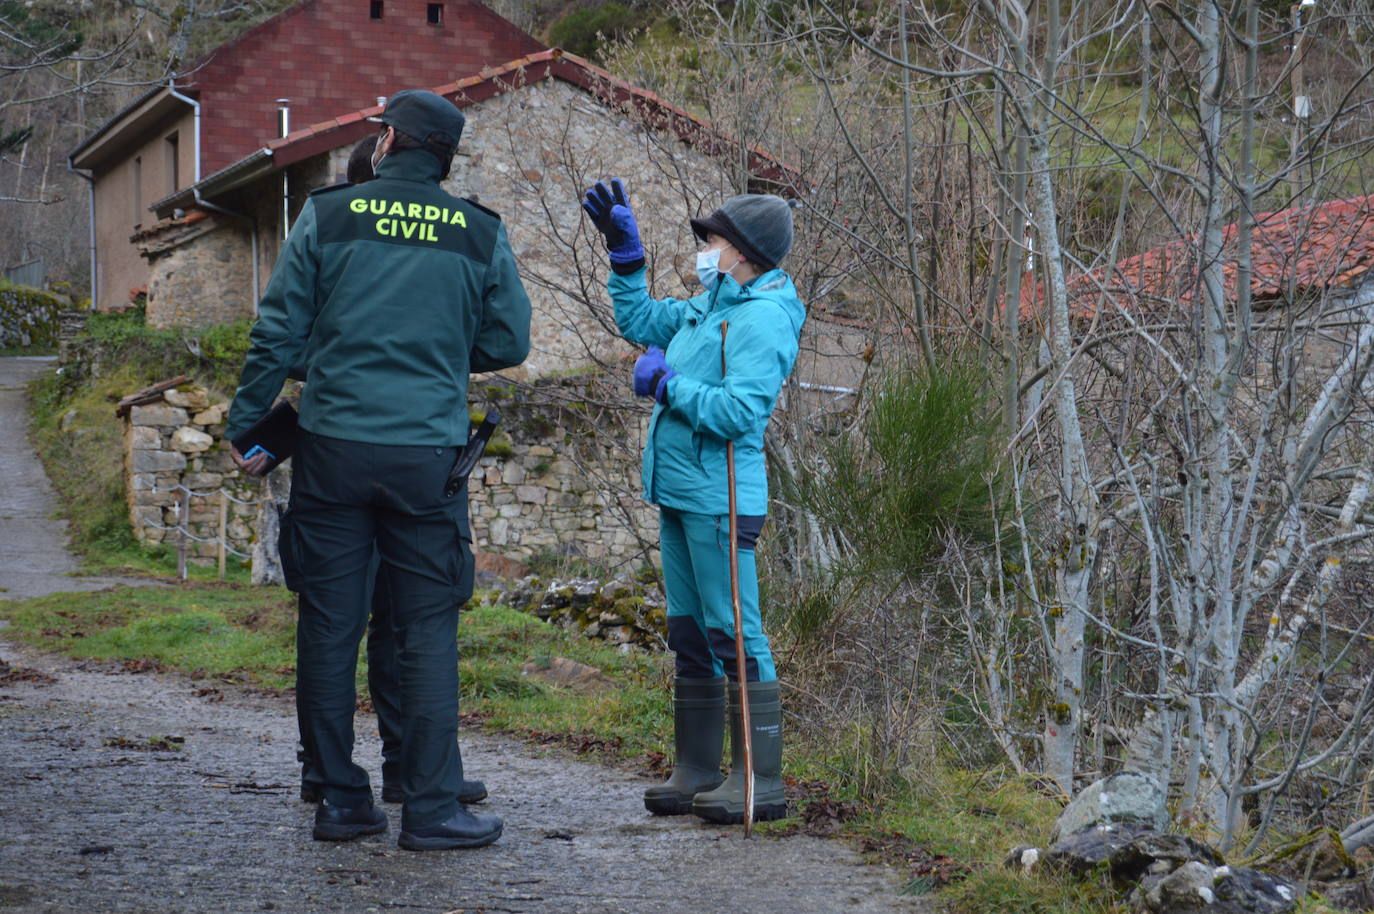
625	269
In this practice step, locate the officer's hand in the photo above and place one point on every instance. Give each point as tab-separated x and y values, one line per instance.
610	212
253	466
651	375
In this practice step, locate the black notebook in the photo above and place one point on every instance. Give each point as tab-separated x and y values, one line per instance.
273	434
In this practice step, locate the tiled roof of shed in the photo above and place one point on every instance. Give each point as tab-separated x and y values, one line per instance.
1307	248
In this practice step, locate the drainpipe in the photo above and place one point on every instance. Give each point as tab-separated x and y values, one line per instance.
206	204
283	128
90	218
195	108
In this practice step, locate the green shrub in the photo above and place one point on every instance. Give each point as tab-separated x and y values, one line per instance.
582	31
922	465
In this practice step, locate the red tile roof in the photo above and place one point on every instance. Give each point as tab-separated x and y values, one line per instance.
1307	248
554	63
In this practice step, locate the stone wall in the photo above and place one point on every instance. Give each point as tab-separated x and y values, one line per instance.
530	154
177	442
561	478
203	283
28	316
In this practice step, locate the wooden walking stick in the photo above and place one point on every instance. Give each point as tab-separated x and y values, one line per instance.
740	666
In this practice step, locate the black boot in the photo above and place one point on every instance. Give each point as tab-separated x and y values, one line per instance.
726	804
698	736
340	823
462	829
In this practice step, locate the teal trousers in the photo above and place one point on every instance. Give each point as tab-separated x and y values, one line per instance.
701	621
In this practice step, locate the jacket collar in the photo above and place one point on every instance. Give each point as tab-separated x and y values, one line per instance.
409	165
728	292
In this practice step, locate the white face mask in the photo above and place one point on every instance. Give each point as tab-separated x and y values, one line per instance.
377	156
708	267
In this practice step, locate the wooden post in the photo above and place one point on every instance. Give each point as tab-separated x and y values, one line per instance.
223	527
183	527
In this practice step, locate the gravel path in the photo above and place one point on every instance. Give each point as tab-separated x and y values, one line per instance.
153	793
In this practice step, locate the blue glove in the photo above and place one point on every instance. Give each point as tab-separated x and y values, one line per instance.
652	374
610	212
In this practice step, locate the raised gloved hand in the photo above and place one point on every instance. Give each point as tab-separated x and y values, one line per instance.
652	374
610	212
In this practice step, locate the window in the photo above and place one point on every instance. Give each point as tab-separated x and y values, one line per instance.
435	13
173	164
376	9
138	191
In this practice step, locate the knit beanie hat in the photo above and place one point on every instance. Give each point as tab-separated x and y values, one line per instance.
759	225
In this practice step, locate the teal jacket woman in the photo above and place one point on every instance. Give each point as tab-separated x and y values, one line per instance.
715	366
704	406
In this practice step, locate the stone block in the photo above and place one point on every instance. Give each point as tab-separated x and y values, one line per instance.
214	415
534	495
150	497
188	397
157	461
191	440
539	450
509	511
513	474
146	516
499	532
144	437
218	461
158	415
502	498
204	482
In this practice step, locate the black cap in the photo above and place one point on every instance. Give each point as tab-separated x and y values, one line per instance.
424	116
758	225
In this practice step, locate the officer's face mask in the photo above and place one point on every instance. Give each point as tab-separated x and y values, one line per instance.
377	154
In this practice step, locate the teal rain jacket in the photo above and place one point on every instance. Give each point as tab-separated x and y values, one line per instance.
399	290
684	456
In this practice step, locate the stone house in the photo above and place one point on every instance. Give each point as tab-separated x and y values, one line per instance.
303	66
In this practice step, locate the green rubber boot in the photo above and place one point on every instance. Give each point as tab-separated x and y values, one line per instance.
698	737
726	804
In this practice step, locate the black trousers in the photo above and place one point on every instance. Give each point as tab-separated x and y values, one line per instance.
383	677
347	499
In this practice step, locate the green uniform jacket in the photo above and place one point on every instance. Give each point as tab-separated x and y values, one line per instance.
399	290
684	456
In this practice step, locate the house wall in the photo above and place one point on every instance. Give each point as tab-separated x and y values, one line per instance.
122	197
529	155
329	57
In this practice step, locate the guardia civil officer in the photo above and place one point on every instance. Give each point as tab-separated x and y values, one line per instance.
399	290
699	407
383	678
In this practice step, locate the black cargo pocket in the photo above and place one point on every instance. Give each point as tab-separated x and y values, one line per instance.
289	551
464	565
